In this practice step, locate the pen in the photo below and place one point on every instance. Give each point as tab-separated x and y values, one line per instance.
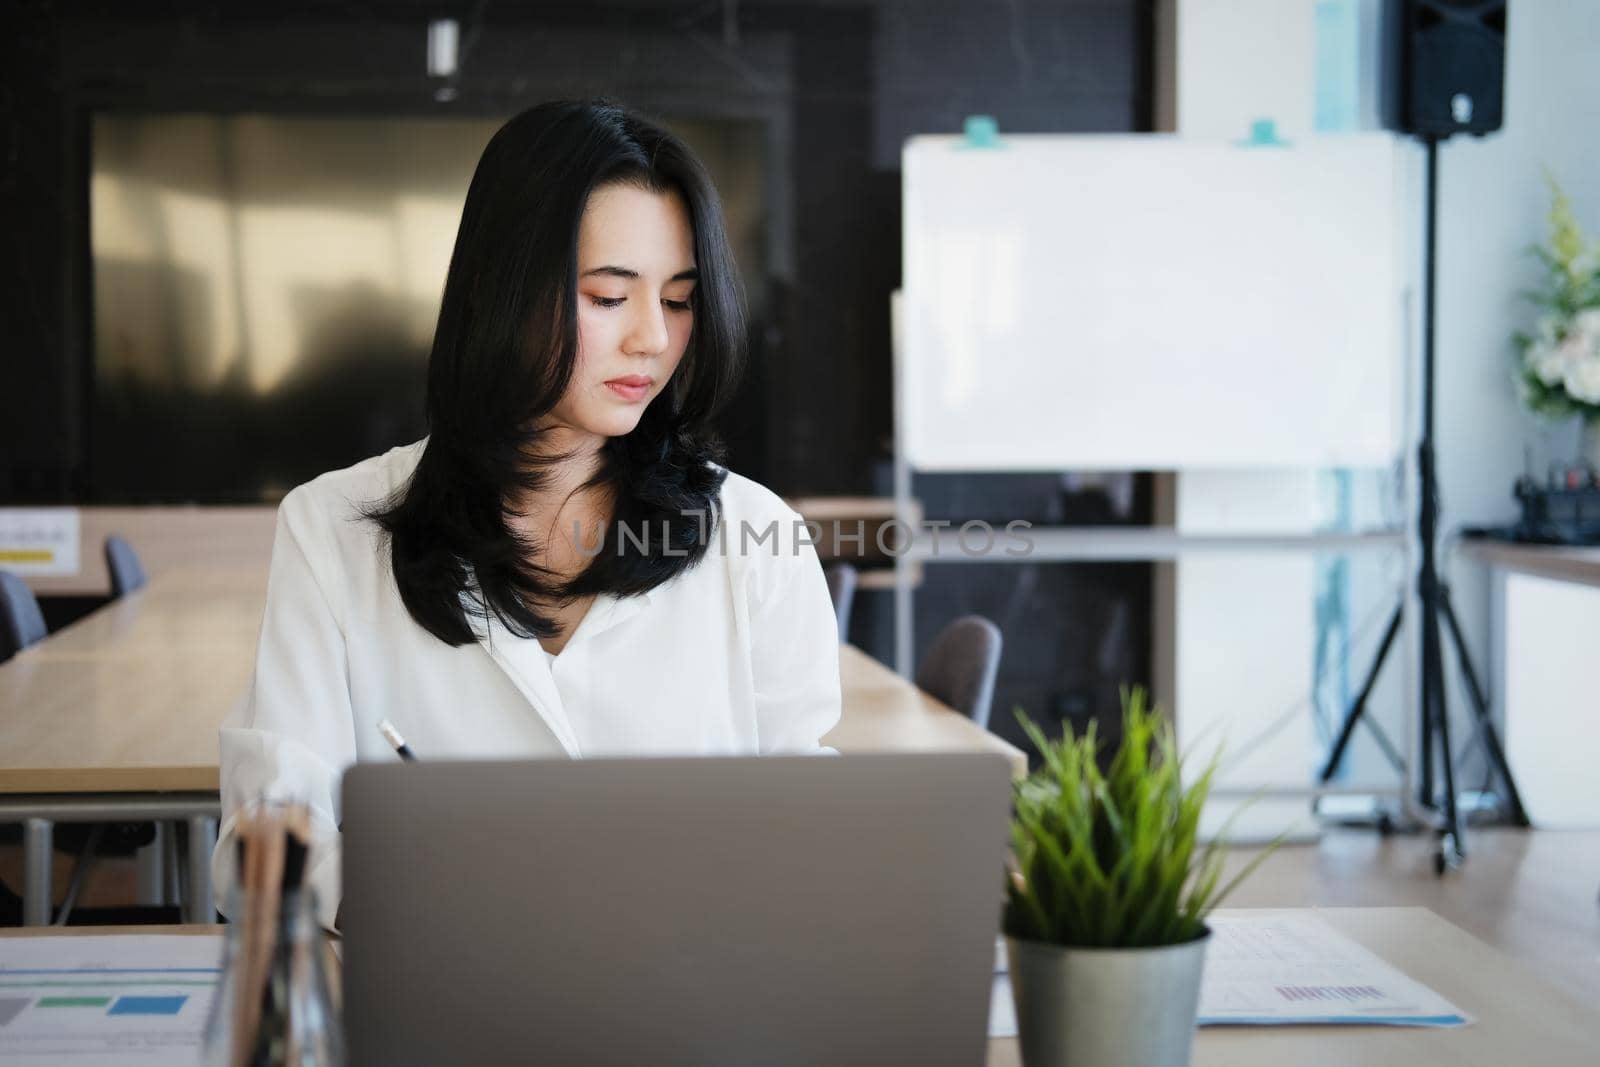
393	737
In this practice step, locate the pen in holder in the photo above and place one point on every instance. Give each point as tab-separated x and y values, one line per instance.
274	1007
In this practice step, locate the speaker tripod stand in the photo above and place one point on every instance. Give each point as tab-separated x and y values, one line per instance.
1434	605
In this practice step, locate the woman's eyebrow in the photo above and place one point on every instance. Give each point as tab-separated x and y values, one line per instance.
623	272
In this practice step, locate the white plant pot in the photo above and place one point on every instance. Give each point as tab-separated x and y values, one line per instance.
1103	1007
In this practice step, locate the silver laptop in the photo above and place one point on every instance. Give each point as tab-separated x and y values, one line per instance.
796	910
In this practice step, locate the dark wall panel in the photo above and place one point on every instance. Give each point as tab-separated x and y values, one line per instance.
839	85
38	401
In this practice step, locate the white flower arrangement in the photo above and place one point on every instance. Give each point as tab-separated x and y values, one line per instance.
1558	372
1567	355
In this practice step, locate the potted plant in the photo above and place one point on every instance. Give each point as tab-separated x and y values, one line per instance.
1558	370
1106	902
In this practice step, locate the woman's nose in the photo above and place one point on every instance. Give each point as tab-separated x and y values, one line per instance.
647	333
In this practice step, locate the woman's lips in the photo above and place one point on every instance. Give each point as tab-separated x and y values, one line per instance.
632	388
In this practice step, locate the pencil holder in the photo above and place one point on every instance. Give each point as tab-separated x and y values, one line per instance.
274	1007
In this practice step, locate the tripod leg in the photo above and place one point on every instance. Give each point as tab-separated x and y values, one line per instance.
1480	708
1425	775
1451	849
1359	707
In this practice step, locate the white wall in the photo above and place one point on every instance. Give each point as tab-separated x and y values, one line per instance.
1243	645
1238	60
1492	205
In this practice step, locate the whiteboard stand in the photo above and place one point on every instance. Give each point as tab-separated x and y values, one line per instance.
1068	544
1028	263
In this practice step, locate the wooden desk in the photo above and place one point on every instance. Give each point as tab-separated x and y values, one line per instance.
115	718
129	698
885	713
1566	563
1520	1020
180	613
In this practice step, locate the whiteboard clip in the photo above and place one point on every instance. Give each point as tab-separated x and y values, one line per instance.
1263	134
981	131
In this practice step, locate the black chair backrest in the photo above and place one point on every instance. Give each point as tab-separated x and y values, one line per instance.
842	588
21	623
959	668
127	574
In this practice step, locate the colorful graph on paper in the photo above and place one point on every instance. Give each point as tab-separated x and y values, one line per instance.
97	1001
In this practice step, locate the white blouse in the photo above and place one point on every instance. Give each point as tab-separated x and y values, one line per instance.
739	654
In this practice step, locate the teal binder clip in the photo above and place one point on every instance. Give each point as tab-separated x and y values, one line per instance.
1263	134
981	131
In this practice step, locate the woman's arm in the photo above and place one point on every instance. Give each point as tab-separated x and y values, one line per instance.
293	734
794	647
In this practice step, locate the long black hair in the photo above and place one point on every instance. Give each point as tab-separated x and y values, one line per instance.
503	355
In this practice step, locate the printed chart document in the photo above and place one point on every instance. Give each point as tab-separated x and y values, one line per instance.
1283	970
1278	969
103	1001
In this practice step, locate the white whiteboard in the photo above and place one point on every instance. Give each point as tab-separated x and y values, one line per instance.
1141	301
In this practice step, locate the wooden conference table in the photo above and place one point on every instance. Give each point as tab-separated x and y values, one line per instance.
1520	1019
115	718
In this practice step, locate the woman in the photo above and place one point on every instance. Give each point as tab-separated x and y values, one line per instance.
560	568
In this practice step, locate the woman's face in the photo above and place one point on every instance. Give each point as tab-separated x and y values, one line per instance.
636	272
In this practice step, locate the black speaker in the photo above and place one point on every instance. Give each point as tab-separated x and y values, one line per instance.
1448	66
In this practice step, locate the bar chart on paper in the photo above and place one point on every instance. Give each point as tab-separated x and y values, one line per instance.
1274	970
1277	969
98	1001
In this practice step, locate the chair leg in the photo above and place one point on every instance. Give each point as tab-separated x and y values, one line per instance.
181	875
150	890
169	863
202	840
37	855
80	873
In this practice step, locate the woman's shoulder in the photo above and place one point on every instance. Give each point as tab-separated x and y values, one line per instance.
761	534
330	515
746	498
753	514
351	492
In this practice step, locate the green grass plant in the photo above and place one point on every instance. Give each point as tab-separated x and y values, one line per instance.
1112	858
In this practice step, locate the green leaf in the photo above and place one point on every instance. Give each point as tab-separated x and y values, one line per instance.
1112	857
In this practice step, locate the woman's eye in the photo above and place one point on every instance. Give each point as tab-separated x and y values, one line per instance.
618	301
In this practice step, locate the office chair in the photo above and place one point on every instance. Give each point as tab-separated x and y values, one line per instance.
21	621
842	588
127	574
959	668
